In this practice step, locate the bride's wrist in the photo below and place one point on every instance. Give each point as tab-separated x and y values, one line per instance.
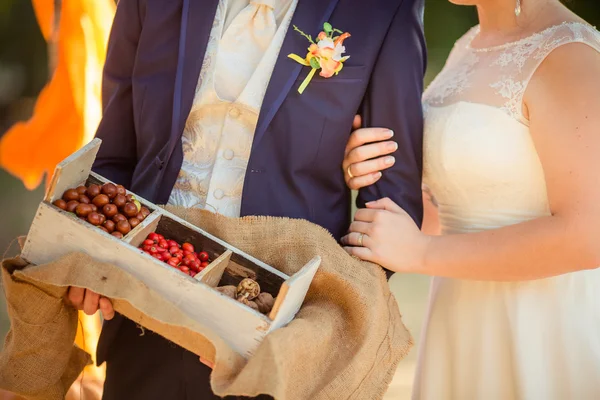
425	244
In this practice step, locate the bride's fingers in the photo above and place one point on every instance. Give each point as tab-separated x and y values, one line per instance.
366	215
356	239
385	204
357	123
360	227
360	252
363	181
367	135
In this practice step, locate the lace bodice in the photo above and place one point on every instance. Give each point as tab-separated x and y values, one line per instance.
498	76
480	161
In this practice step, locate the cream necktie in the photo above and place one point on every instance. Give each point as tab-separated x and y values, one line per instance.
242	46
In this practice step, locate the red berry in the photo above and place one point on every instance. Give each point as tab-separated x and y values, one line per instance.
153	249
148	242
193	274
172	243
173	263
152	236
173	249
161	249
159	237
157	256
188	247
173	259
184	269
195	265
186	252
203	256
204	264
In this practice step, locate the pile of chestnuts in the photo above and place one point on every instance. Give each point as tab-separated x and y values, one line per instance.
107	207
248	293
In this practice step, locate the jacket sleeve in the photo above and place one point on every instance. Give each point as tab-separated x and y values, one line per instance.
117	156
393	101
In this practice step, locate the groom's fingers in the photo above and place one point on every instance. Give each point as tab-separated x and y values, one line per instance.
363	181
374	164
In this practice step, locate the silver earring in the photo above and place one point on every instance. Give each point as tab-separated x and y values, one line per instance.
518	8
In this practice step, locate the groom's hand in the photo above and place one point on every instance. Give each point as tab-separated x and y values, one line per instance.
207	363
89	302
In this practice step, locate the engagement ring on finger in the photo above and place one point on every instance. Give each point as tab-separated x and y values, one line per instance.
360	239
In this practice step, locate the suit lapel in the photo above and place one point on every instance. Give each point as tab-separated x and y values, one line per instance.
310	17
197	17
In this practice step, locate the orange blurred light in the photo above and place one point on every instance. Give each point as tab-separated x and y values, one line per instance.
68	109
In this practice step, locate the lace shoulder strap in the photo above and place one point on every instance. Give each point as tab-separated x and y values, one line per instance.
527	56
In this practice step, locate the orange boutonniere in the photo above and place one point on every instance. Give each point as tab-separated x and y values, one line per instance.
325	53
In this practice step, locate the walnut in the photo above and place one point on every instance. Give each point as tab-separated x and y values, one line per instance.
229	291
248	289
265	302
249	303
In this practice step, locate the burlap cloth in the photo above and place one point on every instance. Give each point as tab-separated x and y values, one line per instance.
345	343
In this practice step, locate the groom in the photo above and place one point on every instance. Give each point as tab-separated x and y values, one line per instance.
202	109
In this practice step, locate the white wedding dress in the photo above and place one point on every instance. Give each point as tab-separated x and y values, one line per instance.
536	340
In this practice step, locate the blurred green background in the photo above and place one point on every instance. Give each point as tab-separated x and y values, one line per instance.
24	71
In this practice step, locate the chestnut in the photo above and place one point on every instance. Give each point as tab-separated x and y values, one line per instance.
83	210
130	209
117	234
109	225
118	218
101	200
119	200
104	229
140	216
70	194
94	208
81	189
84	199
130	197
121	190
133	222
60	203
145	211
123	227
102	217
93	190
110	210
109	189
94	218
72	205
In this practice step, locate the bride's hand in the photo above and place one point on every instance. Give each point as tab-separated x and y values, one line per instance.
367	154
389	237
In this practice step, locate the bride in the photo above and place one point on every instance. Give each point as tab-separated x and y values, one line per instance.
512	138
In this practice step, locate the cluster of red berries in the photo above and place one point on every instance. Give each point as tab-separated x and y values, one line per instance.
181	256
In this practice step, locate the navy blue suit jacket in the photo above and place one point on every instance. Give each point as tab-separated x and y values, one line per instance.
155	54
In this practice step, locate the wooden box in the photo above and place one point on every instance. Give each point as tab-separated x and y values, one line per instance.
55	233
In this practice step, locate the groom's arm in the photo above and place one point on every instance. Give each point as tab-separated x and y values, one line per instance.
117	156
393	101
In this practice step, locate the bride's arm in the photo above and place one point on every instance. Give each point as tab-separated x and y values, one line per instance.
564	108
